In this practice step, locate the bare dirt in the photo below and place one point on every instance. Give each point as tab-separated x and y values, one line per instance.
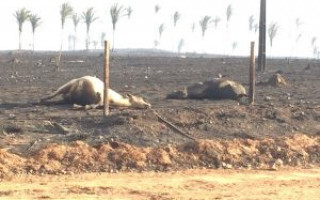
280	131
189	184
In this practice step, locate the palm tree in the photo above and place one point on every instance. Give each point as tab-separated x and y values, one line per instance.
299	35
298	23
75	20
95	44
155	43
193	27
251	21
176	18
116	13
229	13
216	21
256	27
161	29
35	21
204	22
272	31
315	52
314	45
65	12
313	41
180	45
252	27
21	15
156	8
89	18
129	11
234	45
102	39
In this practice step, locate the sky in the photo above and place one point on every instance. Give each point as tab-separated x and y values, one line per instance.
141	30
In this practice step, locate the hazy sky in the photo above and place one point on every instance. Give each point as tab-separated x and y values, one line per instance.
142	29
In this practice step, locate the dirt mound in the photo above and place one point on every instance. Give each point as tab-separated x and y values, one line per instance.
297	151
10	163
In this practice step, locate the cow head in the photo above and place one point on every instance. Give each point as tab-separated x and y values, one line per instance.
138	102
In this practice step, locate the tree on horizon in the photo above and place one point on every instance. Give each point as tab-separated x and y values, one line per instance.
176	18
216	21
75	20
115	13
180	45
204	22
251	23
193	27
161	29
102	39
66	11
314	46
89	18
156	8
21	16
229	13
35	21
272	31
129	12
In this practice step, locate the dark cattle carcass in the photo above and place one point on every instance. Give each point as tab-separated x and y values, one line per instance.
215	88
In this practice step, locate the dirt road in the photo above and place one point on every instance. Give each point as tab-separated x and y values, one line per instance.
190	184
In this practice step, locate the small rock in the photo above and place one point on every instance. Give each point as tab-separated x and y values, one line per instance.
279	162
275	165
267	98
87	107
12	128
60	128
12	116
248	166
226	166
56	128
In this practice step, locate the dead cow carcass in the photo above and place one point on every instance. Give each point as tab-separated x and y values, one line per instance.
215	88
89	90
277	80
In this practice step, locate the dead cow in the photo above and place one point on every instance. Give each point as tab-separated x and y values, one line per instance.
277	80
89	90
215	88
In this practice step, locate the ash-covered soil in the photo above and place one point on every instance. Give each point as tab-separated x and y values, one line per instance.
282	129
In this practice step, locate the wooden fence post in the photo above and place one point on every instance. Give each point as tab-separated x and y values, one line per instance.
106	78
252	75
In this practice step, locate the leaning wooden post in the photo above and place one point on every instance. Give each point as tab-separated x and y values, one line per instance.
252	75
106	78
